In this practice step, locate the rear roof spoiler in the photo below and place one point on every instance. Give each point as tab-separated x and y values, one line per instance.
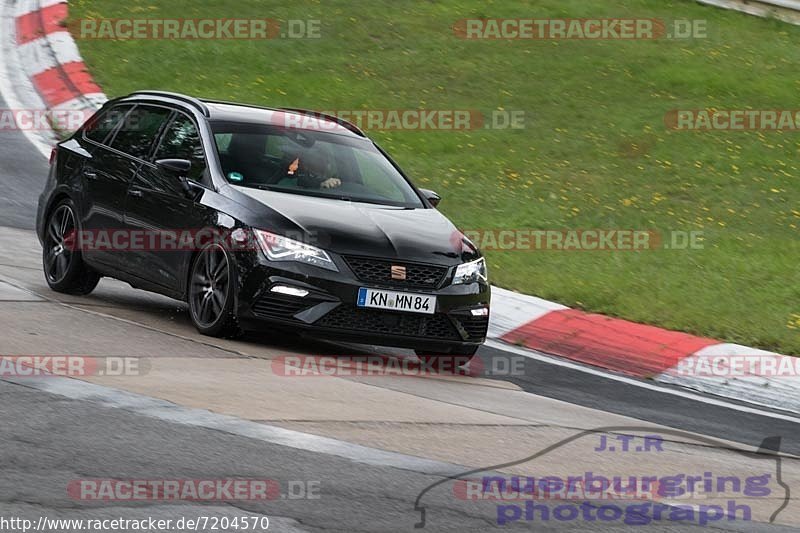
194	102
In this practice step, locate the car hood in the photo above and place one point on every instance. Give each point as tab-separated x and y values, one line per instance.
356	228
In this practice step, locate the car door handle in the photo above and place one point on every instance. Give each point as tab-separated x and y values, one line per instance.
90	174
137	193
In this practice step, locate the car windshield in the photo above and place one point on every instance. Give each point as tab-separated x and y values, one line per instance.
310	163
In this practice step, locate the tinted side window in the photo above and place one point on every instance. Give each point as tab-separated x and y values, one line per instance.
182	141
139	130
104	123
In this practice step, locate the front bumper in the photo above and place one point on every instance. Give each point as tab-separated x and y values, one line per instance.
329	310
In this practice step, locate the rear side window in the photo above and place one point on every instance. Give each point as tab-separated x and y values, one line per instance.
104	123
139	130
182	141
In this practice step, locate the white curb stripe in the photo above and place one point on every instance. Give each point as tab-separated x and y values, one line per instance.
511	310
782	392
64	47
553	360
15	86
48	52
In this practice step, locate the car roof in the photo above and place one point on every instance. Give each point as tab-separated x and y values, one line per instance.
217	110
230	112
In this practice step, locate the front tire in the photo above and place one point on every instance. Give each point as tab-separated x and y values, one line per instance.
212	293
62	262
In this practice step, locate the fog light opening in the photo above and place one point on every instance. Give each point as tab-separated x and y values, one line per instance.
291	291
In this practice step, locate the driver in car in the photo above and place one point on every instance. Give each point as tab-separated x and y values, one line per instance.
311	170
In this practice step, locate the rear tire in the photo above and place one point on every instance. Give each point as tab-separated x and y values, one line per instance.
212	293
62	262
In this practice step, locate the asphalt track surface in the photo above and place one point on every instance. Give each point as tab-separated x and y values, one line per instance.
50	437
23	171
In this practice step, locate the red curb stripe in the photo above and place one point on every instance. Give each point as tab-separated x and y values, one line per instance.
39	23
607	342
64	82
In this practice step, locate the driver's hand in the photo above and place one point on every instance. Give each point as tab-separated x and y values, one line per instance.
331	183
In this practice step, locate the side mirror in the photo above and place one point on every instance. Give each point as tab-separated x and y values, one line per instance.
180	167
431	196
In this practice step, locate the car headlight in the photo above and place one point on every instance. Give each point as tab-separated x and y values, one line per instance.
470	272
278	248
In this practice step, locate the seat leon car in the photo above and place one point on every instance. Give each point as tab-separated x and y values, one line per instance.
260	219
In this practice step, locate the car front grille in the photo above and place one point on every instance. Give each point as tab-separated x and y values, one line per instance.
274	305
380	271
436	326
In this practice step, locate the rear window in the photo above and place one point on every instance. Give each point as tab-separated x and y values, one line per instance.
101	126
139	130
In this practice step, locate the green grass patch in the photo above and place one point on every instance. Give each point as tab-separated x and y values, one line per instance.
595	152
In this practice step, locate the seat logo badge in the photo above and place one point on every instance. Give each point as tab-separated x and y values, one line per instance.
398	272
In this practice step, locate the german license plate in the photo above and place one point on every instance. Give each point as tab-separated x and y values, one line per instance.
396	301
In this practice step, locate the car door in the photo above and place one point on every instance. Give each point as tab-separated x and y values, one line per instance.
106	175
109	174
158	204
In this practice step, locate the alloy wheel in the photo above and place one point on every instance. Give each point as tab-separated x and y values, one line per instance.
209	285
59	243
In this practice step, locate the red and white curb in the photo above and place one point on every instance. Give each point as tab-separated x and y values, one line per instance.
49	57
722	369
